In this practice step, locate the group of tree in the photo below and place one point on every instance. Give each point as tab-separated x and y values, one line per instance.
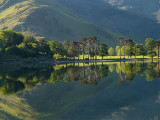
129	48
15	43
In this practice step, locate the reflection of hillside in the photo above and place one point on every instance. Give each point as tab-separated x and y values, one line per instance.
78	100
13	107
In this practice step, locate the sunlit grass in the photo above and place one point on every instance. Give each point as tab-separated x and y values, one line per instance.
115	57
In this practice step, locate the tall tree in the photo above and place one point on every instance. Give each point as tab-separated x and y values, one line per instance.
120	40
150	45
103	50
136	47
92	41
125	42
83	43
73	50
130	45
157	46
66	45
142	50
111	51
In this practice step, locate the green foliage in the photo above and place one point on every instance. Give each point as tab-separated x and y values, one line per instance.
22	52
73	50
103	50
111	51
23	16
29	39
9	38
57	56
9	87
56	48
150	44
118	50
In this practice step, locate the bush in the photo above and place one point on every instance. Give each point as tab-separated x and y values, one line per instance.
22	52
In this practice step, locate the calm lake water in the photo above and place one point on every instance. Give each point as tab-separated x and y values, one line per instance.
84	91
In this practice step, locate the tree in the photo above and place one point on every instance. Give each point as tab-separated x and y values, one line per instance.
73	50
136	47
83	43
1	49
150	45
130	46
142	50
9	38
92	41
56	48
157	47
103	50
29	39
111	51
120	40
118	50
44	47
66	45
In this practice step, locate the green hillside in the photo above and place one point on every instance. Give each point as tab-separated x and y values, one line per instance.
135	25
49	20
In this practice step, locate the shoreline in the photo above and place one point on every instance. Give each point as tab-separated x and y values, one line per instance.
22	62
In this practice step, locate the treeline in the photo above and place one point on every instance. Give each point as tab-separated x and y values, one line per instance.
129	48
14	43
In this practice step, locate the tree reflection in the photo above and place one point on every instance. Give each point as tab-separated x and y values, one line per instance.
128	71
16	80
28	77
8	87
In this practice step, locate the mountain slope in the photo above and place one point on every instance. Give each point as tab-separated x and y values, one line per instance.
130	24
146	8
50	20
73	19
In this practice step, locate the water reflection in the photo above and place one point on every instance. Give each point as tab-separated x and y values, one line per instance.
17	79
91	91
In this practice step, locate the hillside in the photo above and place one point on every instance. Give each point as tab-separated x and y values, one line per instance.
135	25
146	8
50	20
73	19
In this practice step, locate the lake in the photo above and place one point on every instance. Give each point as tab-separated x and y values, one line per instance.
81	91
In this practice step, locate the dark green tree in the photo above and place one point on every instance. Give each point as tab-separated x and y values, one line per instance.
73	50
157	47
103	50
83	43
120	40
10	38
150	45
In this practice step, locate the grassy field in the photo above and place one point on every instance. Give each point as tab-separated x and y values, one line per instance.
115	57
